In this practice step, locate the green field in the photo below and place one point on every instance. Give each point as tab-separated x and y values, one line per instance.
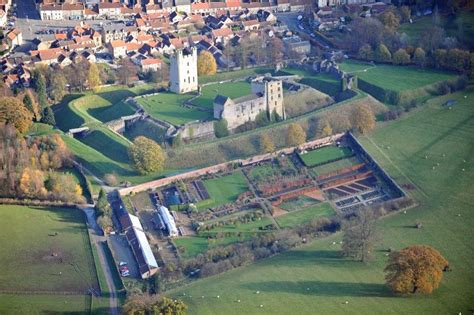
305	215
323	82
168	106
28	243
324	155
229	89
45	304
395	78
225	189
315	279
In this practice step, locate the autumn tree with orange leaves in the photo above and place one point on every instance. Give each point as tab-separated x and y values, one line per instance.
415	269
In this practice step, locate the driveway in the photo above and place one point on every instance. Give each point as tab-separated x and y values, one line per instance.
122	252
96	239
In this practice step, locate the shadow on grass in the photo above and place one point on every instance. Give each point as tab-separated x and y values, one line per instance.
322	288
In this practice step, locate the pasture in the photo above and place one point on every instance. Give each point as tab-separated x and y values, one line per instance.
169	107
45	249
225	189
324	155
305	215
229	89
395	78
315	278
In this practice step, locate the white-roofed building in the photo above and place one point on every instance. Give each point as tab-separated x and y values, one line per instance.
141	249
168	221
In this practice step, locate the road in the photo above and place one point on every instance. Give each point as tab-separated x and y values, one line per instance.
96	239
291	20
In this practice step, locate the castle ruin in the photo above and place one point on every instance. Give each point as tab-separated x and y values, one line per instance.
267	96
183	71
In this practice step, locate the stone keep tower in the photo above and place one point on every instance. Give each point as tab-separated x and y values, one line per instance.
183	71
272	90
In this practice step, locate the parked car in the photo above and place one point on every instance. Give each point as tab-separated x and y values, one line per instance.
122	263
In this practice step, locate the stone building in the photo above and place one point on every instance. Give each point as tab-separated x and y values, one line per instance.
183	71
267	96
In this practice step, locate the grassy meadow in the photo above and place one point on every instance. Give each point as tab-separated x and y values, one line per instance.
225	189
315	279
395	78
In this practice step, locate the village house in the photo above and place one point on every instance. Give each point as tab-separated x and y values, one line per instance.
14	38
150	64
110	9
118	48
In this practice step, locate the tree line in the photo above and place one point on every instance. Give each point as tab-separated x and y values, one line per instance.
30	167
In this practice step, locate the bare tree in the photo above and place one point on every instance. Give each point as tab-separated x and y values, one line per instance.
360	235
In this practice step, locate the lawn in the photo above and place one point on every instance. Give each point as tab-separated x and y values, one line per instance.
334	166
229	89
225	189
395	78
35	258
108	104
298	203
168	106
324	155
305	215
315	278
323	82
232	75
108	143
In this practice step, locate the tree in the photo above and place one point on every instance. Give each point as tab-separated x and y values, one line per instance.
153	304
206	64
296	135
431	38
262	119
390	20
93	77
126	72
58	86
31	105
419	57
64	187
48	116
220	128
266	144
104	222
401	57
362	118
415	269
146	155
359	235
365	31
458	60
12	111
102	206
275	50
32	184
366	52
405	14
324	127
40	89
382	54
